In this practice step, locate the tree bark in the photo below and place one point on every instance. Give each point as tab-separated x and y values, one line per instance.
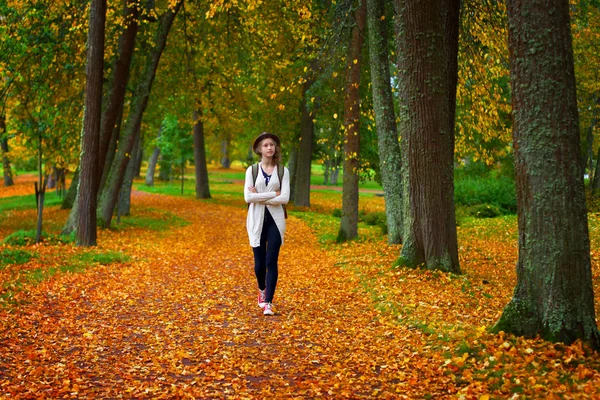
124	203
8	178
69	200
349	222
202	186
385	118
554	297
304	158
152	167
109	197
225	161
427	42
88	180
120	76
139	157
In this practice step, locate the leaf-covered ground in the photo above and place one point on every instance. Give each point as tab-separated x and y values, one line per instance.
176	315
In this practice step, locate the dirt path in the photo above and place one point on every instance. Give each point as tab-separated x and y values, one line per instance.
181	321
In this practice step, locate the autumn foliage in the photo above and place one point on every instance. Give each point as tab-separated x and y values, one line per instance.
175	316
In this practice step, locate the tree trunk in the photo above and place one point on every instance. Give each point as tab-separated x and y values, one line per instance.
225	162
69	200
292	165
349	222
112	150
596	181
88	179
335	171
125	195
139	157
152	161
385	118
114	181
120	76
8	178
51	179
554	297
202	186
427	79
164	169
304	160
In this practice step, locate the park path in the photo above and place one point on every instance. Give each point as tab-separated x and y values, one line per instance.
180	321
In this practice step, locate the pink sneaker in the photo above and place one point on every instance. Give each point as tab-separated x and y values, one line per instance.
262	298
268	310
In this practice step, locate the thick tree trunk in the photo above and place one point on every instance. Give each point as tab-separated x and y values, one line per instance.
109	196
349	222
385	118
8	178
304	161
125	195
69	199
116	97
88	179
225	161
554	297
202	187
427	63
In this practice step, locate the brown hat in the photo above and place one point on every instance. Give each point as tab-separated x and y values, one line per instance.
264	136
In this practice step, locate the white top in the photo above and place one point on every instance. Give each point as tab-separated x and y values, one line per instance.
265	197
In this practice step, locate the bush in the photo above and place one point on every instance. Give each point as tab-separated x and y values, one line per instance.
376	219
485	211
337	213
499	192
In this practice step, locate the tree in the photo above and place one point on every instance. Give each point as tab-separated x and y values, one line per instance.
8	179
302	167
427	77
554	296
109	196
176	144
88	175
385	117
202	187
349	221
152	161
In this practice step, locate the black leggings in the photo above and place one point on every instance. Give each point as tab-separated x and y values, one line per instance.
265	256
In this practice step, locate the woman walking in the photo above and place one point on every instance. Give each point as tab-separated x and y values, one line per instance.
266	190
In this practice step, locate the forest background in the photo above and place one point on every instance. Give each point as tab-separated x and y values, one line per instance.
224	71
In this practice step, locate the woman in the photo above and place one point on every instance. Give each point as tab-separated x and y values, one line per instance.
266	191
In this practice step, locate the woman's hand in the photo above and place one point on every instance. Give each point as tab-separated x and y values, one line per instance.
252	189
277	193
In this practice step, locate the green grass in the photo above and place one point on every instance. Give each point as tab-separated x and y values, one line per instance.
15	256
102	258
24	238
27	202
78	263
158	221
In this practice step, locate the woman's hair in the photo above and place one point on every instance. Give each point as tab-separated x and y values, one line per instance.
276	155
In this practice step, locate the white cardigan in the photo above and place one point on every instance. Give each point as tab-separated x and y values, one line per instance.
266	196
